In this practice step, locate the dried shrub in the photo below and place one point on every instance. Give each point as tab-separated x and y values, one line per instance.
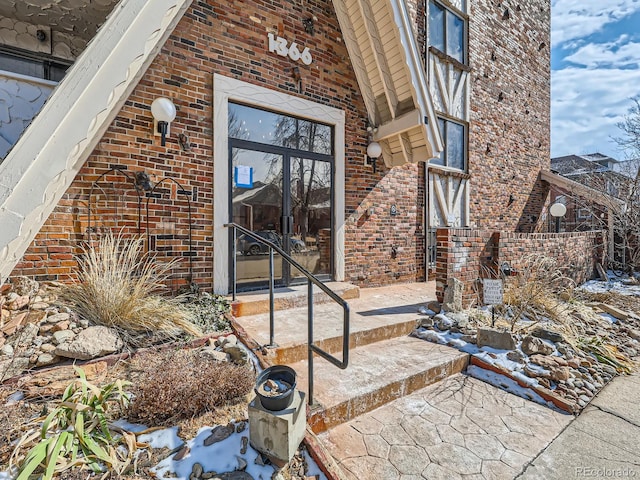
119	287
534	293
182	384
209	312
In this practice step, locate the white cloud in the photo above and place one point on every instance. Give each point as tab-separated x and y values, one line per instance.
575	19
586	105
610	54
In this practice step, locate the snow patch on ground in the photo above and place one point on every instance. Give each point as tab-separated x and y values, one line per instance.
615	285
507	384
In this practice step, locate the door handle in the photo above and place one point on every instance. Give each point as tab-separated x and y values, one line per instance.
286	222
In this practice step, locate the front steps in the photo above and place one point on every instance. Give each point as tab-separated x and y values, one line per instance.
384	364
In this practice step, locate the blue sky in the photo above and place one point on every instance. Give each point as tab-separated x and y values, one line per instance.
595	71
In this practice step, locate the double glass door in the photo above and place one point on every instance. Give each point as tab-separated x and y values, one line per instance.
283	195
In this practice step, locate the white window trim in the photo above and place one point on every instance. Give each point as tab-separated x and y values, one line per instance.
227	89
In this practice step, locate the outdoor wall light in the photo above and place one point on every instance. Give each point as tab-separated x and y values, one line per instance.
558	210
374	150
163	111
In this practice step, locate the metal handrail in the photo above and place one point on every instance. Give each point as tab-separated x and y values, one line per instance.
311	281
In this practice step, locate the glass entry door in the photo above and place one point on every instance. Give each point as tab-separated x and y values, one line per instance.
281	189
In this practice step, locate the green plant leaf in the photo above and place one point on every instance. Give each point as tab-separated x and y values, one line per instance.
36	455
96	449
52	456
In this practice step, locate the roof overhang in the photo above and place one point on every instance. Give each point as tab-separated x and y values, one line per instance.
380	38
581	190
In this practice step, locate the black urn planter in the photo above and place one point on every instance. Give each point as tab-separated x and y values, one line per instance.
282	375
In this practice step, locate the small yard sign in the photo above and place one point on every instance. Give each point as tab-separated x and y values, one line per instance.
492	291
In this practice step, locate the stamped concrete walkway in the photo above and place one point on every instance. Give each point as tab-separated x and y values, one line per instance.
460	428
601	443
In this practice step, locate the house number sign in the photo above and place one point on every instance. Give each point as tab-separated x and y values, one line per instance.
281	46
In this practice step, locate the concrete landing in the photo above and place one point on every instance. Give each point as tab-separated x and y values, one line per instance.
377	374
377	314
458	428
255	303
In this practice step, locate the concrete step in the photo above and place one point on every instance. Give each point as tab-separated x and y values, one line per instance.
377	374
377	314
257	302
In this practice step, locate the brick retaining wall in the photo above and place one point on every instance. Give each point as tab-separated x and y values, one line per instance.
468	254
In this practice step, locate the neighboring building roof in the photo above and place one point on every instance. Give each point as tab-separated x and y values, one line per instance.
570	165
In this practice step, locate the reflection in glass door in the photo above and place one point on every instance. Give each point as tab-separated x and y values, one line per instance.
281	189
256	199
310	239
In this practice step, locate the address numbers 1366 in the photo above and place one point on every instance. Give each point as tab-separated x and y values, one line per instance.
280	46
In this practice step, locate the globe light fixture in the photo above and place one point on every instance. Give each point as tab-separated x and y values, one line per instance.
164	112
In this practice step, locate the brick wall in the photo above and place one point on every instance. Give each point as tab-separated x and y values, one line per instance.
470	254
230	38
509	136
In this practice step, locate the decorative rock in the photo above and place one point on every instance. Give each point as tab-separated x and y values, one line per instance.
453	295
426	322
237	353
218	434
6	350
18	303
434	306
546	334
45	328
62	336
39	306
493	338
47	347
228	340
64	325
57	317
13	366
214	354
460	319
46	359
515	356
442	322
560	374
243	448
25	286
90	343
532	345
24	337
82	323
197	470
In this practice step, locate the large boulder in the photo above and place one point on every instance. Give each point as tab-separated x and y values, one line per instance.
91	343
498	339
532	345
453	295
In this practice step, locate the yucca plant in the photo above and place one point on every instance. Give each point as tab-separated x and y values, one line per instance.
118	286
77	433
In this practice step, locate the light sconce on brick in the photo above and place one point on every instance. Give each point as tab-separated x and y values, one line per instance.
374	150
164	112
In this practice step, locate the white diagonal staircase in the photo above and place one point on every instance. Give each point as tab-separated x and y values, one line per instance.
45	160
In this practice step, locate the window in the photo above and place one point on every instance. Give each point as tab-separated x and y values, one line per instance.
31	66
447	31
454	137
584	213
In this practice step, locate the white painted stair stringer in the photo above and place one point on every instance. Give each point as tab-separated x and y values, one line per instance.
45	160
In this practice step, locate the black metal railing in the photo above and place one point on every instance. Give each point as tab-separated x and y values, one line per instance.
311	281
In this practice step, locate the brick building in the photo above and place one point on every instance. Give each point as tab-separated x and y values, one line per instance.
276	103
